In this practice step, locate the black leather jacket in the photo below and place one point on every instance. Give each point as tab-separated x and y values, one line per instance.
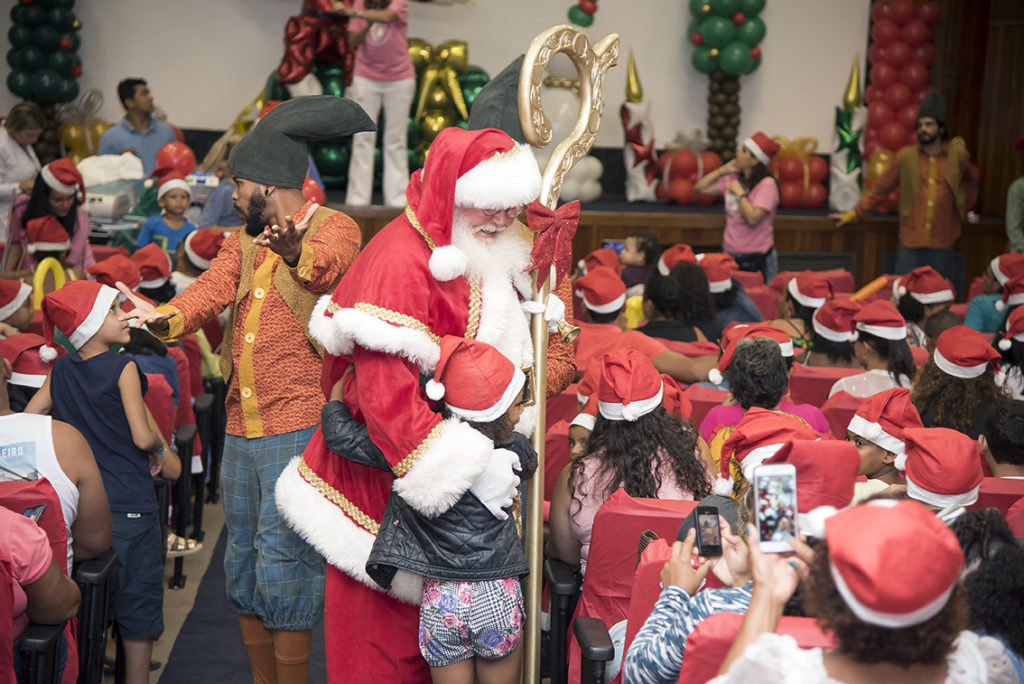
465	543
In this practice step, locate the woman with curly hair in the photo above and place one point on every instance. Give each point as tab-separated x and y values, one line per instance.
635	446
956	384
886	584
678	307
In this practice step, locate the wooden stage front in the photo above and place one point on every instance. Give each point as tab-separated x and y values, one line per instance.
794	232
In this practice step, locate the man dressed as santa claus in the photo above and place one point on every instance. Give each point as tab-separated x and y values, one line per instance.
453	264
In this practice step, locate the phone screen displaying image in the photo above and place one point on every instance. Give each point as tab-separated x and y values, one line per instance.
776	508
709	534
35	512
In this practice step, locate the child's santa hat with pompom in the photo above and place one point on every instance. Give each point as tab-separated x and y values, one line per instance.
476	381
46	234
756	438
833	320
1007	266
926	285
881	319
718	268
810	289
154	265
717	375
942	466
630	386
13	294
1013	293
114	269
31	358
882	418
1014	329
673	255
601	290
202	245
77	310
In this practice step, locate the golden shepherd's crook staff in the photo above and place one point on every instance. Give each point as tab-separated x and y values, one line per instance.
591	64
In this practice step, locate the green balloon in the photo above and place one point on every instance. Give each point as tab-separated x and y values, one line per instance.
14	58
579	17
695	6
754	63
334	181
724	8
45	37
331	158
718	32
751	31
702	60
47	3
18	13
750	7
274	89
60	18
46	84
19	83
735	58
412	132
73	37
34	15
469	95
20	35
332	79
68	90
61	62
32	58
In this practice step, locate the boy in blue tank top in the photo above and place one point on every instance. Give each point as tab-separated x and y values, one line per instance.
100	393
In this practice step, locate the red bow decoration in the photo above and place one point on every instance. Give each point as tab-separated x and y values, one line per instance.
553	245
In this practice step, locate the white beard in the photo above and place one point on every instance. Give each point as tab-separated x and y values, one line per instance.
505	255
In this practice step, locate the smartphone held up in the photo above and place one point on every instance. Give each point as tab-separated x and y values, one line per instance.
709	532
775	504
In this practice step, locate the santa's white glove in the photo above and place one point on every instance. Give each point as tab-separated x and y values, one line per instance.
498	484
553	312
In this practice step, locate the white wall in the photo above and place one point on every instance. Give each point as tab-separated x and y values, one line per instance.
206	59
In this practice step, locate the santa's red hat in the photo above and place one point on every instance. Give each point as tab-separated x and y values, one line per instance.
77	310
483	169
1014	329
46	234
601	290
826	472
734	331
718	268
673	255
1007	266
30	357
477	382
881	319
756	438
963	353
926	285
755	330
762	147
1013	293
13	294
674	401
630	386
202	245
154	265
172	181
943	467
810	289
115	268
587	417
63	176
605	256
587	386
834	320
882	418
894	562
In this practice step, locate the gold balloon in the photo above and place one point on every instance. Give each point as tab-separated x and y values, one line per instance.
713	53
851	98
73	137
705	9
97	127
77	24
878	164
454	53
434	121
420	51
447	62
438	98
634	89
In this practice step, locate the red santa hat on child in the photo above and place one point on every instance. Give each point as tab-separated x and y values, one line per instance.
1007	266
963	353
484	169
167	178
601	290
202	245
63	176
13	294
154	265
882	418
1013	293
587	418
1014	329
834	320
810	289
46	234
675	403
826	472
926	285
673	255
943	467
601	257
77	310
114	269
755	439
762	147
31	358
477	382
785	342
630	386
894	563
718	268
881	319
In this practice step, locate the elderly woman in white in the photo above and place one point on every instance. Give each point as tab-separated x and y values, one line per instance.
18	162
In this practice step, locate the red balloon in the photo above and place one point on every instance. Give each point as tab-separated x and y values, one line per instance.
924	53
899	54
916	33
76	72
755	52
681	164
710	161
312	192
885	207
873	93
588	6
921	94
893	135
885	32
902	11
876	54
894	196
178	156
659	191
696	39
897	95
816	195
929	11
907	116
914	76
871	146
879	114
870	133
704	200
880	10
883	74
681	190
739	18
817	168
791	169
64	43
792	194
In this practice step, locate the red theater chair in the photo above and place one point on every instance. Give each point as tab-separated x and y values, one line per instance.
1001	493
838	410
811	384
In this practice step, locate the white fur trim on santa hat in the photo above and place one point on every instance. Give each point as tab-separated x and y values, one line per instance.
812	523
830	334
334	535
89	327
719	286
937	297
884	331
963	372
794	291
446	467
27	380
585	421
874	433
506	180
47	353
447	263
756	457
55	184
715	376
723	487
610	307
633	410
889	620
1001	277
662	268
7	310
900	463
1000	305
756	150
155	282
174	183
498	409
1005	344
435	390
197	261
34	247
919	493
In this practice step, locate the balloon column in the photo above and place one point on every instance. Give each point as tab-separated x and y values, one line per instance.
847	147
800	173
642	168
725	35
685	162
44	60
81	128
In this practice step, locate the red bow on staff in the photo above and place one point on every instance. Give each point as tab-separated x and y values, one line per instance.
553	245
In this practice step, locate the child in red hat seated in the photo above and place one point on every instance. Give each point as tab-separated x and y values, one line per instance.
876	430
983	312
15	307
804	294
834	332
169	227
943	469
731	302
881	347
1009	341
917	296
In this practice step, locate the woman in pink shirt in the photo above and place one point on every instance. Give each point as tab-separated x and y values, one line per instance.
751	196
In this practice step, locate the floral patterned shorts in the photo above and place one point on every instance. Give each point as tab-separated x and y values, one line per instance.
460	620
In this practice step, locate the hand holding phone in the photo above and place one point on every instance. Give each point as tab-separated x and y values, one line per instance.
775	506
679	570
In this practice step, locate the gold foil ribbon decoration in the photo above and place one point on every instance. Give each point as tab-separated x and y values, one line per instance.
442	66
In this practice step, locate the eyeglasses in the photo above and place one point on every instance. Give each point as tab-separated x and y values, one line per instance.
528	398
512	213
